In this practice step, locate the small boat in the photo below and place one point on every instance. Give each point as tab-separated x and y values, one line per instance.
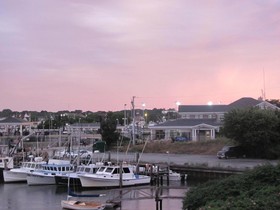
74	201
20	174
82	205
46	175
173	176
111	176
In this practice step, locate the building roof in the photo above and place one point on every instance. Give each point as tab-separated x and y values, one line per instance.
203	108
240	103
12	120
188	122
244	103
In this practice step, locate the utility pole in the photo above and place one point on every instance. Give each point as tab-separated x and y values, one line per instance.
124	115
133	120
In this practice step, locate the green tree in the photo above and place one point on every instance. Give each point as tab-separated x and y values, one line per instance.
256	130
6	113
108	129
275	102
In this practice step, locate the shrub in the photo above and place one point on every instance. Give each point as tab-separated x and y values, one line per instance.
256	189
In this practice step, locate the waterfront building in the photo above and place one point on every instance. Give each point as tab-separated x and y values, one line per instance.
201	122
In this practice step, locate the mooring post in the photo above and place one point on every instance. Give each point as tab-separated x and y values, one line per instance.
137	166
168	169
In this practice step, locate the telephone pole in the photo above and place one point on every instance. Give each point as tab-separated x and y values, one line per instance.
133	120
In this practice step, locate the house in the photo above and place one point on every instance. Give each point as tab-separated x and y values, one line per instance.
11	125
202	122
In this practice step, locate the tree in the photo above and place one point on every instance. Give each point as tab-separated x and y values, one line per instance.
256	130
6	113
275	102
108	130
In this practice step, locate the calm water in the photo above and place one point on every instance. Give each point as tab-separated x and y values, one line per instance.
23	197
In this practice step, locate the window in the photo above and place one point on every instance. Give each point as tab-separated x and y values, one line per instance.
109	170
116	171
126	170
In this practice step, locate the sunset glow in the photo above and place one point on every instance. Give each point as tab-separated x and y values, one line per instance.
97	55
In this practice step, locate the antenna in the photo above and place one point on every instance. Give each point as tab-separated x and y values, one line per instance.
263	92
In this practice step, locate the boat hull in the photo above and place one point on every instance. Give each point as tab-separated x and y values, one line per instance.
99	182
38	179
14	176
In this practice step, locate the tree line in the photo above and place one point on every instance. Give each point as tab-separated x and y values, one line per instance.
256	130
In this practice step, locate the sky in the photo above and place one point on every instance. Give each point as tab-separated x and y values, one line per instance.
95	55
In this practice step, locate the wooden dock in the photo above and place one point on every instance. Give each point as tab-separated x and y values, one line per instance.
158	193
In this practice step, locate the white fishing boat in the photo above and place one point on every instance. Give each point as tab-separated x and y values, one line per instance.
20	174
46	175
113	176
73	178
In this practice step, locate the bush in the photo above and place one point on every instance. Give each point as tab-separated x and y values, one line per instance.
257	189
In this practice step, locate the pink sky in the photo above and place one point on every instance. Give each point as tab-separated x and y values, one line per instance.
95	55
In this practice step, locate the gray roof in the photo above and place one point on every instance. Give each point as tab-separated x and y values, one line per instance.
12	120
244	103
240	103
188	122
203	108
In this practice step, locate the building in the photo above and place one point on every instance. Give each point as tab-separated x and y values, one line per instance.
202	122
11	125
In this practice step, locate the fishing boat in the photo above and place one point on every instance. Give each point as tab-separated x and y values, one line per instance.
46	175
111	176
20	174
73	178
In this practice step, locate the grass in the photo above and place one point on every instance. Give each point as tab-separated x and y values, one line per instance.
209	147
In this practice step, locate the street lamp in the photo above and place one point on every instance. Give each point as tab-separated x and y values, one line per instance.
178	103
143	105
145	118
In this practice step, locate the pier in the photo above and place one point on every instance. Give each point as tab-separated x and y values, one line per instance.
158	193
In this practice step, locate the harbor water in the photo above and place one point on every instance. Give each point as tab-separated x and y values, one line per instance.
20	196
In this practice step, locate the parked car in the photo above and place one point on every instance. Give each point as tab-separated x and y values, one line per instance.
231	152
83	154
180	138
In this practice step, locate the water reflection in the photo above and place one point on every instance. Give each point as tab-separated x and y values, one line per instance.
22	197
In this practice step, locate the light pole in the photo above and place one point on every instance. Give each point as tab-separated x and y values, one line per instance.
178	103
144	105
167	152
133	120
